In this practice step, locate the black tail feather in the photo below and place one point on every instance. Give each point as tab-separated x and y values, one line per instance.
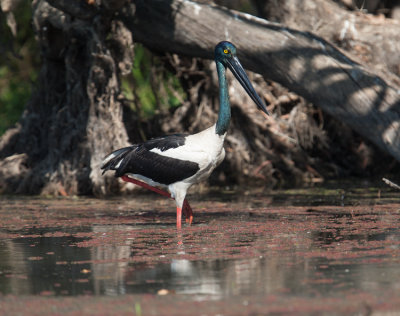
112	160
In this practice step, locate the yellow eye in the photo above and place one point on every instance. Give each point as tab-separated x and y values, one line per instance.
225	51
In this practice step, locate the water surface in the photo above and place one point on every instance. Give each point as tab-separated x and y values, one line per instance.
297	245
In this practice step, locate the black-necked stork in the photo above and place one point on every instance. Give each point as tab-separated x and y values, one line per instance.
176	162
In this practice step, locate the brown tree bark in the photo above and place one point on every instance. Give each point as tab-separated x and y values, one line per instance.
75	117
373	40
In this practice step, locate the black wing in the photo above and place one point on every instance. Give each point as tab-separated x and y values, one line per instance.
138	159
166	142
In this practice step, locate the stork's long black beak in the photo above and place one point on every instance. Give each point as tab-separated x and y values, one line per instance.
237	69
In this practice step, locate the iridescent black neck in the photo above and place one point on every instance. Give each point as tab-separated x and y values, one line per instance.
224	114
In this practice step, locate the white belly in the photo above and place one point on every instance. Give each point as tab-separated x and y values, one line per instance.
204	148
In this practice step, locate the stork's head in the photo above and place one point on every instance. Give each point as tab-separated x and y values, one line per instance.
225	53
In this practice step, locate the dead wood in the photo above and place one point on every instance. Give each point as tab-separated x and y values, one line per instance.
391	183
373	39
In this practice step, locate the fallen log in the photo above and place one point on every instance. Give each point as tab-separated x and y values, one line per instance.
372	39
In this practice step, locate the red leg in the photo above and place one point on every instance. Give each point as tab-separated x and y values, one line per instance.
145	185
187	210
186	207
178	218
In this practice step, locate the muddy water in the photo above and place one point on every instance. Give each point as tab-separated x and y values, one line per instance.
300	251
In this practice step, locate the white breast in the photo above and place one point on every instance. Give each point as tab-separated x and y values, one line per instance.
204	148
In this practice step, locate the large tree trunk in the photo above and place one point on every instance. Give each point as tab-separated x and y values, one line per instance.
75	117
